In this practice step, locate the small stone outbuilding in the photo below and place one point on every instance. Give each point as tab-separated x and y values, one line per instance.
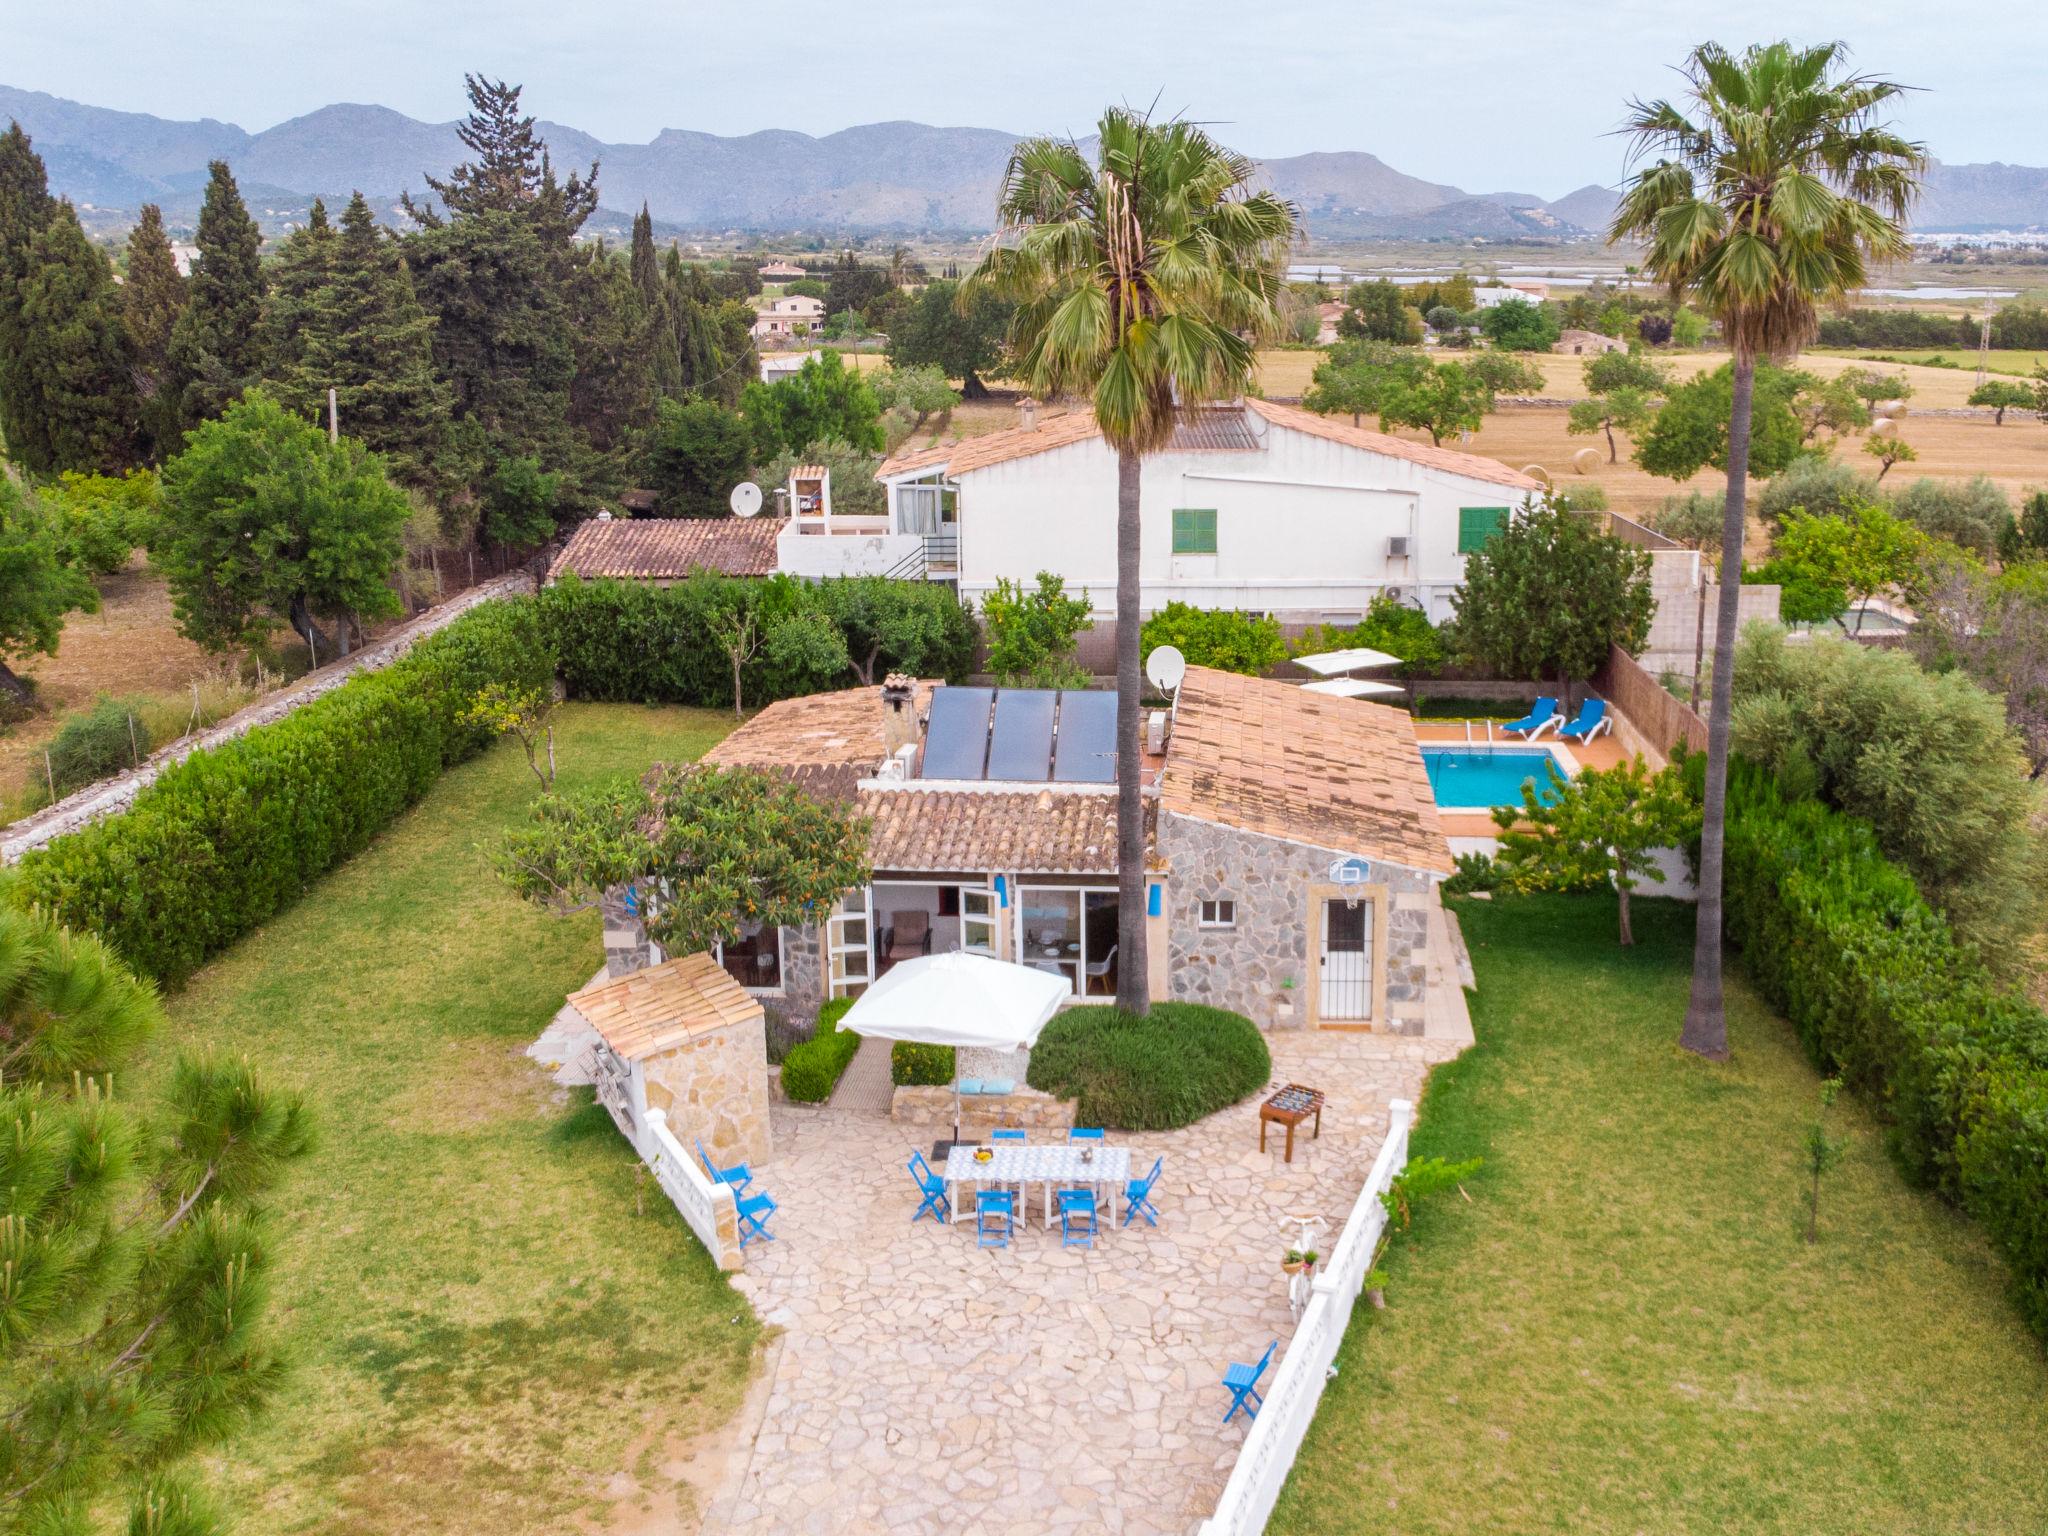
683	1037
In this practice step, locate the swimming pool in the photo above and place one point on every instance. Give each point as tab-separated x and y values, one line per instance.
1467	780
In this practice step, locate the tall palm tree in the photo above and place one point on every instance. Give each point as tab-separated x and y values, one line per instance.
1774	187
1141	283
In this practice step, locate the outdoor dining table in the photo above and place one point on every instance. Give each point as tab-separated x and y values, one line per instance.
1051	1164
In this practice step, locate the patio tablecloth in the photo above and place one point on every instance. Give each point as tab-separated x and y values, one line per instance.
1051	1164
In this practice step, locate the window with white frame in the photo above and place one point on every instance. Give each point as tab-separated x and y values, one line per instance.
1220	913
754	959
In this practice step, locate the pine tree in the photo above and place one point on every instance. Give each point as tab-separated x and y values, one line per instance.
137	1255
299	278
511	172
361	332
216	349
26	209
75	353
152	298
613	395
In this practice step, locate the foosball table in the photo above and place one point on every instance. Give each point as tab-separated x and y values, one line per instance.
1290	1106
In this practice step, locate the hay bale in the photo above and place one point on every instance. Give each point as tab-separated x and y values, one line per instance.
1586	461
1537	473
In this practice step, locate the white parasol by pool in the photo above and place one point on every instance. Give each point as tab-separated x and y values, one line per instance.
1353	687
960	1000
1356	659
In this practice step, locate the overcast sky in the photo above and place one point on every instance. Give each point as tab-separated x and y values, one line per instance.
1491	95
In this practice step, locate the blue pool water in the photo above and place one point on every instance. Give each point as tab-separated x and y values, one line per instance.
1473	781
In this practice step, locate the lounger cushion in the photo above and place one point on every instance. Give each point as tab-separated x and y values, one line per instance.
998	1085
970	1085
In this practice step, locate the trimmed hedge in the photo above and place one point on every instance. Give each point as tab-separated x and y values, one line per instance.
634	642
812	1070
1180	1062
226	839
913	1064
1842	942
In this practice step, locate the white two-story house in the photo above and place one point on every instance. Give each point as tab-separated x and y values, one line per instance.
1254	506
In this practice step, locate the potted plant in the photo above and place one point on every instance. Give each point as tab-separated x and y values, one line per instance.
1292	1262
1308	1260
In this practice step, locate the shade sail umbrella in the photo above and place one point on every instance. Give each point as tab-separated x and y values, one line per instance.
959	999
1330	663
1353	687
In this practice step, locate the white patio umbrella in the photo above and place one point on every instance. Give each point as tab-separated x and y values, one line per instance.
1353	687
959	999
1357	658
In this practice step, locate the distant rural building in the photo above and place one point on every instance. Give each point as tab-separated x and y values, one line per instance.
781	272
1528	293
777	366
790	314
1575	343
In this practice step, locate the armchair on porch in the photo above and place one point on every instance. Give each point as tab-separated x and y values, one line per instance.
908	935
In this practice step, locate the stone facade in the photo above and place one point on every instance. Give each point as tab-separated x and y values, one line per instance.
1263	965
714	1085
931	1109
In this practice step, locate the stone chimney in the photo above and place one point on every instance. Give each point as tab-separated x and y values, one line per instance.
1027	414
899	713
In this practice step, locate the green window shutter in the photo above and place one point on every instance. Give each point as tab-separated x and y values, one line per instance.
1194	530
1478	524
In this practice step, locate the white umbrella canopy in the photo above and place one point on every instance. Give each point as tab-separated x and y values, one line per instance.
959	999
1353	687
1330	663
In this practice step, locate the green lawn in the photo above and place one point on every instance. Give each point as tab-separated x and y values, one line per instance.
1623	1330
490	1313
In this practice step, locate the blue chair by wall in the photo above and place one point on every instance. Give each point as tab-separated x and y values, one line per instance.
1591	722
1079	1134
739	1176
1077	1218
1243	1382
994	1214
754	1211
1542	717
1003	1135
931	1186
1138	1196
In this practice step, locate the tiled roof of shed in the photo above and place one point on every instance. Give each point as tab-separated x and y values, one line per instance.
1268	757
1044	831
653	1010
668	548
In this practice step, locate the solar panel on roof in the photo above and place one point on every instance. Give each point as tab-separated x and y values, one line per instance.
956	738
1020	745
1086	750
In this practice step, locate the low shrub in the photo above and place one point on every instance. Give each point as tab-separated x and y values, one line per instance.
1882	993
224	840
913	1064
812	1070
1180	1062
1213	637
98	744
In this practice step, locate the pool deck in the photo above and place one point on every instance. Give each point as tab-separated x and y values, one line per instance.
1606	752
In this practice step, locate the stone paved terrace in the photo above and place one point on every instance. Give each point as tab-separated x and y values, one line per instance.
923	1385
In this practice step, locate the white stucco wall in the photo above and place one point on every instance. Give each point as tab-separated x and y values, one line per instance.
1302	526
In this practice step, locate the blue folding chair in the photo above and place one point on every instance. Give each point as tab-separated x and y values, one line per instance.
1008	1136
754	1211
739	1175
994	1213
1077	1218
1138	1196
931	1186
1076	1133
1243	1382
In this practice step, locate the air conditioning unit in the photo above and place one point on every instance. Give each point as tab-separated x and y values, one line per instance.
1397	547
895	768
1155	732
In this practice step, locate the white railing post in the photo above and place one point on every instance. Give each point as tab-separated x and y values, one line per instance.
707	1206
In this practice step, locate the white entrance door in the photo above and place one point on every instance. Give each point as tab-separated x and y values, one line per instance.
849	958
977	920
1346	961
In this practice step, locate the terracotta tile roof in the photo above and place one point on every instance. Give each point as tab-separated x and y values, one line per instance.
669	548
825	741
650	1011
808	472
1265	756
1449	460
1212	428
1044	832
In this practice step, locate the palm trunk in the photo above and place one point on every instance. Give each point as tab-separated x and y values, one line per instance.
1133	981
1706	1024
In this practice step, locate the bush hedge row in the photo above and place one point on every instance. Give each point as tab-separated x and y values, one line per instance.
1180	1062
812	1070
913	1064
1880	991
235	833
634	642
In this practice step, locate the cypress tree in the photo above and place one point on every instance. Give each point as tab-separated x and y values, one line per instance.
216	349
152	298
363	333
26	209
298	282
76	353
646	266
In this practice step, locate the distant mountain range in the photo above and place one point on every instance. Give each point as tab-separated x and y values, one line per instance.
884	177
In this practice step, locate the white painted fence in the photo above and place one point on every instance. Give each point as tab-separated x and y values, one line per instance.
1297	1382
705	1205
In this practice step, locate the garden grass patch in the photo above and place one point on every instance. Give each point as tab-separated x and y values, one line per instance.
1623	1331
486	1299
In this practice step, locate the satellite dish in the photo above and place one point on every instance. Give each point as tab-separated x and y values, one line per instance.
746	499
1166	667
